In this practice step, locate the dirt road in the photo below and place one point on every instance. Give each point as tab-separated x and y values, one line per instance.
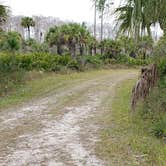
58	129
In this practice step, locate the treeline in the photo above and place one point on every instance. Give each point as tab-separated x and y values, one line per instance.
74	39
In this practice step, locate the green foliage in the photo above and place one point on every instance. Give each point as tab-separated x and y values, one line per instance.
10	80
153	109
11	75
34	61
126	138
32	45
160	48
127	44
73	64
27	22
136	16
160	55
127	60
93	61
69	35
159	128
111	48
4	13
10	41
161	62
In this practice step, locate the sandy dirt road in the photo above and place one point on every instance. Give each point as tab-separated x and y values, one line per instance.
58	130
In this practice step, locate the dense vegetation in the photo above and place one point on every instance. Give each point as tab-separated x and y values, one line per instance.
66	47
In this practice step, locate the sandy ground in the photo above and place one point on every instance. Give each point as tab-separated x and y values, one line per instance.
57	130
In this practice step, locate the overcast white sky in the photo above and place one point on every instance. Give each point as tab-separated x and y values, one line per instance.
74	10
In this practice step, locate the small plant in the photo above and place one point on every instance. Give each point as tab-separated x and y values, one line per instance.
93	61
159	128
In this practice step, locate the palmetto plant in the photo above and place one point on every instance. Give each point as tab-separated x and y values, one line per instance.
71	35
28	22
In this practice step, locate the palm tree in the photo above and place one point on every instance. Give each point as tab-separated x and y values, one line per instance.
131	18
95	16
101	7
4	13
71	35
28	22
54	37
137	16
95	22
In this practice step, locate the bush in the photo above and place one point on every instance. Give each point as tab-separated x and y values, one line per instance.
94	61
159	128
34	61
161	63
124	59
73	64
10	41
160	48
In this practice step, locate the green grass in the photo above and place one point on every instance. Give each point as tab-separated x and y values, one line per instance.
126	138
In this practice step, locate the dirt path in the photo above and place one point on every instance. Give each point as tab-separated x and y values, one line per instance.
57	130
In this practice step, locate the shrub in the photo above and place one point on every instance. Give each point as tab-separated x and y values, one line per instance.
160	48
10	41
159	128
73	64
37	61
161	62
93	61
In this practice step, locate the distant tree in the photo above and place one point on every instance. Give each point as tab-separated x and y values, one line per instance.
127	44
54	37
71	35
145	46
28	22
101	6
111	48
92	45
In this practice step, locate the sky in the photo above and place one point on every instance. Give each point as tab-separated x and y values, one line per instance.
72	10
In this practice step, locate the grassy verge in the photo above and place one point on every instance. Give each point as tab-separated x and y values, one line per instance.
125	139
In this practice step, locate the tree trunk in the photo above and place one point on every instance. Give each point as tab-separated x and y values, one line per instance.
102	19
81	49
101	37
149	31
72	49
90	51
95	16
29	33
59	49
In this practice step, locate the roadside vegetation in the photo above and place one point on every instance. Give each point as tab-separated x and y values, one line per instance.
129	138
